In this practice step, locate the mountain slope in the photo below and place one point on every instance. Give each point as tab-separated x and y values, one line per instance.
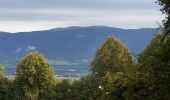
68	46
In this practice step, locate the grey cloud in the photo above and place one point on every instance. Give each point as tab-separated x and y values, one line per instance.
81	4
66	14
70	9
36	13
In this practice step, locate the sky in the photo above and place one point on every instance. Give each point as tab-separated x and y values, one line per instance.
34	15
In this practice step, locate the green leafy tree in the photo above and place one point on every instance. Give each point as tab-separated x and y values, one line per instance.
154	68
35	79
154	63
166	10
114	86
86	89
4	84
63	90
2	92
1	72
112	57
123	86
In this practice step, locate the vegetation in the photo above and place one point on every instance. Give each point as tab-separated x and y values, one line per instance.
112	57
4	84
155	68
113	75
166	10
34	78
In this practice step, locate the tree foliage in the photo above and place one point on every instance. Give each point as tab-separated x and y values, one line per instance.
165	10
86	89
154	67
63	90
1	71
34	78
4	84
113	74
112	57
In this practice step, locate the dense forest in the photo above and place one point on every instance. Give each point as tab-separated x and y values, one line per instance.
114	75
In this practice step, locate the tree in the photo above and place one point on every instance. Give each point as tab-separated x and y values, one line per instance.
166	10
35	79
154	64
2	92
154	68
63	90
86	89
83	89
149	57
114	86
1	72
112	57
4	84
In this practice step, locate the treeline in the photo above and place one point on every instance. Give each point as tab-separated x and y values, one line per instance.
114	74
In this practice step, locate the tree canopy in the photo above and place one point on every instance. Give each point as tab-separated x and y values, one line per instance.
112	57
166	10
154	67
34	77
1	71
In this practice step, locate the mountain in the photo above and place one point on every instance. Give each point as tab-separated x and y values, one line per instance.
68	49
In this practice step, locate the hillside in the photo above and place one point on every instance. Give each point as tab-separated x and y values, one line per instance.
70	49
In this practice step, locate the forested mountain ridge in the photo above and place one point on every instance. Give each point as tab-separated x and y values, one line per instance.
69	46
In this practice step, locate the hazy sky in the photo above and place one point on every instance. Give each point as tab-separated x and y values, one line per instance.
30	15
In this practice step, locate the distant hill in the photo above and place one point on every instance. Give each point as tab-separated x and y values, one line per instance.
71	46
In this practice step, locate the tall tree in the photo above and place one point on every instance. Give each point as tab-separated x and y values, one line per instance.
1	82
35	78
63	90
4	84
86	89
112	57
1	71
166	10
154	64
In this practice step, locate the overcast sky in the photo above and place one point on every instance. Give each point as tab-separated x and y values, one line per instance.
31	15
